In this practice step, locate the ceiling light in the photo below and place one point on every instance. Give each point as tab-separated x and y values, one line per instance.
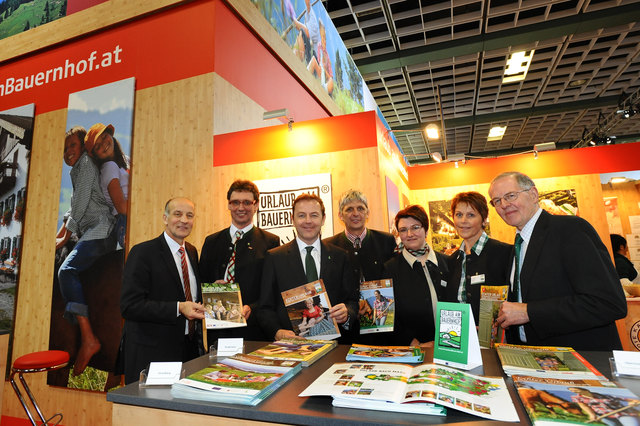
535	154
496	133
276	113
517	66
576	83
436	156
432	131
547	146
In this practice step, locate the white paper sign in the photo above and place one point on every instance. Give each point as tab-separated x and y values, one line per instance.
627	362
163	373
229	347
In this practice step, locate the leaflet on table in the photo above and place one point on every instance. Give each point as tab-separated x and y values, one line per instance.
545	361
376	306
575	401
491	298
241	379
308	309
413	408
398	383
385	353
223	305
304	350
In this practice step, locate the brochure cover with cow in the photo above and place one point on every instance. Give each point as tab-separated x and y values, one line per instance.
223	305
308	308
376	307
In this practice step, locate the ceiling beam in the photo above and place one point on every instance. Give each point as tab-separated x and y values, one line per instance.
575	24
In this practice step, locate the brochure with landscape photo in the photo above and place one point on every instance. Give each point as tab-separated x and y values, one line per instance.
573	401
304	350
376	307
402	384
491	297
385	353
240	379
223	305
308	309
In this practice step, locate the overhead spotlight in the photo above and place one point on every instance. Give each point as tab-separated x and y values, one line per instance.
546	146
457	159
629	112
535	155
436	156
277	114
432	131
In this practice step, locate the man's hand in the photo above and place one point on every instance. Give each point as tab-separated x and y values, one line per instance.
416	342
339	313
512	313
246	311
191	310
285	334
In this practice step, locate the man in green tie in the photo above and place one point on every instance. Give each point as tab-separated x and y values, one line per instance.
565	290
304	260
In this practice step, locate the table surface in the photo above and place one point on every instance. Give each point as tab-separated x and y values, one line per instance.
284	405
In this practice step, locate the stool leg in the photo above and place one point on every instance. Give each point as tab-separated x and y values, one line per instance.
33	400
19	394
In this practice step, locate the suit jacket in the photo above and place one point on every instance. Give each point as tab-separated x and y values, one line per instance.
377	247
151	288
571	288
494	263
283	270
250	252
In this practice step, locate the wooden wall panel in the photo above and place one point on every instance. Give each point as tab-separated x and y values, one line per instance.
628	194
344	175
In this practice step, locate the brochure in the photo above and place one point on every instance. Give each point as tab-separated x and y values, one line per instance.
385	353
240	379
376	306
574	401
223	305
303	350
401	384
308	309
545	361
491	297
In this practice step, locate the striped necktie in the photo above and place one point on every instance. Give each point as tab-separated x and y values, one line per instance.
187	286
230	275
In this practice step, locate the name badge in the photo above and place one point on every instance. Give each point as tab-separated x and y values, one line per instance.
477	279
443	283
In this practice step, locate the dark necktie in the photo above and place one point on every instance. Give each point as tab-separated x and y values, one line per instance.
357	243
187	286
310	266
516	273
230	274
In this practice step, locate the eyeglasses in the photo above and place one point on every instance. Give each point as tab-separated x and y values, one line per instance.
509	197
412	228
245	203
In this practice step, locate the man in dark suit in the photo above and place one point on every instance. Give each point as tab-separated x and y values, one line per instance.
160	296
250	245
368	249
295	264
565	291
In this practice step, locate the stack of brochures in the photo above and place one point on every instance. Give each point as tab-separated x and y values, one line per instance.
240	379
389	386
385	353
304	350
545	361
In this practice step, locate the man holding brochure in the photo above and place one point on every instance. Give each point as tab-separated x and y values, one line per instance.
304	260
565	290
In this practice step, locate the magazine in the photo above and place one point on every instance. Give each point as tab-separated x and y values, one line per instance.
545	361
376	306
574	401
303	350
385	353
491	297
240	379
308	309
223	305
399	383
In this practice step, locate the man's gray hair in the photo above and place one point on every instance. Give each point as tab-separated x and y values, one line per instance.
524	181
350	196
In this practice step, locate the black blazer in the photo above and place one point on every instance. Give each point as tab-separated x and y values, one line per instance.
377	247
494	263
250	252
151	288
571	287
412	298
283	270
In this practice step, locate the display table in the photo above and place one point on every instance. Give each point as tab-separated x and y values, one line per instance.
137	406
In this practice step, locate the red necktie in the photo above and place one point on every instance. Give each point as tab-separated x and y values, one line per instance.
187	284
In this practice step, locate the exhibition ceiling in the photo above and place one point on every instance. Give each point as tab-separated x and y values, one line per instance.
584	71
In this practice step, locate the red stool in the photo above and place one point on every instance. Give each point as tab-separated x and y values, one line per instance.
33	363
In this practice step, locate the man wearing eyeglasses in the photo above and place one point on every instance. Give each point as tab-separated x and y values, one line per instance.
236	254
565	291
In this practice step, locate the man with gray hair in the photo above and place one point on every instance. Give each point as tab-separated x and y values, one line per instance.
565	290
368	249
